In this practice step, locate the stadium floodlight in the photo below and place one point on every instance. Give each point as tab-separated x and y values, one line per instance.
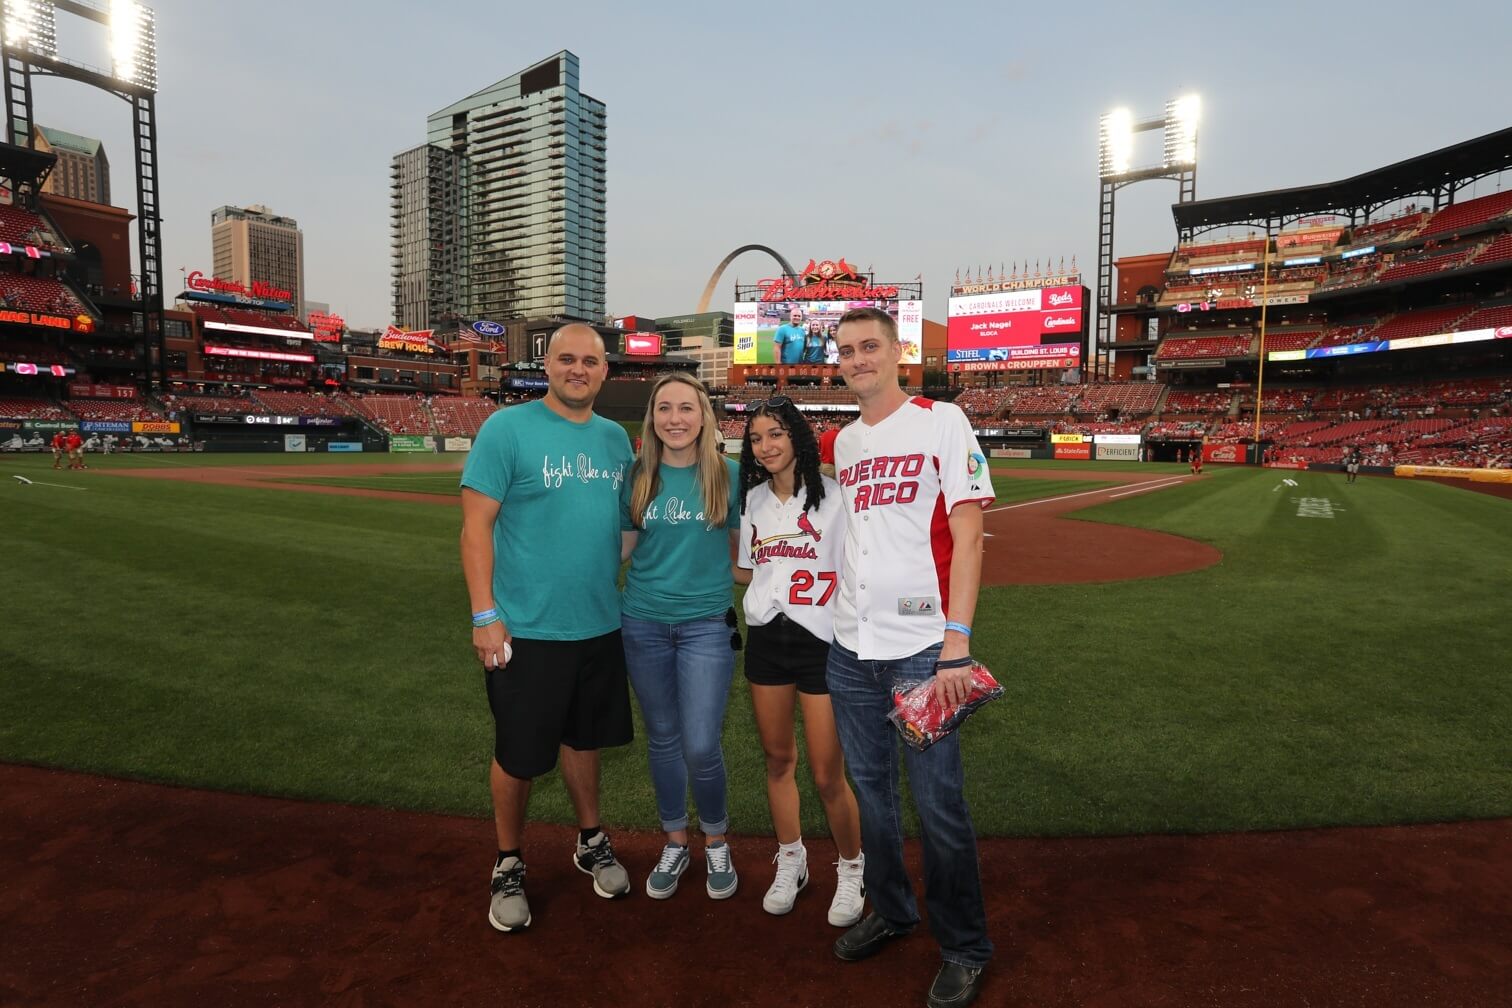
133	43
1182	115
1115	143
31	25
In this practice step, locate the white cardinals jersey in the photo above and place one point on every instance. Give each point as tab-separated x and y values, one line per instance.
900	479
794	556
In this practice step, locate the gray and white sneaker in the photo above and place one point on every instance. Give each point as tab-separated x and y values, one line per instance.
722	880
791	877
850	892
596	858
662	882
507	909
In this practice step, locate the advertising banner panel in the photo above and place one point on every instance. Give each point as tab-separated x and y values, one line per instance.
1232	453
294	442
1118	452
409	443
457	444
155	427
344	446
49	426
105	427
1074	451
1018	453
1067	438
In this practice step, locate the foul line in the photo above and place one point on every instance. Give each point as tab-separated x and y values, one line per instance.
60	486
1084	493
1150	486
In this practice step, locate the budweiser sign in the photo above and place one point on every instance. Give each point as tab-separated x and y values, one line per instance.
260	288
395	338
829	280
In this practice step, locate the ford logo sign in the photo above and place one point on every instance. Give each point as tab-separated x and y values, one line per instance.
488	329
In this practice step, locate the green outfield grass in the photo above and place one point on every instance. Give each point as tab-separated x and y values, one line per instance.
1329	670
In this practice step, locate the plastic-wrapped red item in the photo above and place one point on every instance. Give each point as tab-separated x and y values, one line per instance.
920	717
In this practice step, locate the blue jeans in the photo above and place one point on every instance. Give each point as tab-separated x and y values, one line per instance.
861	693
681	673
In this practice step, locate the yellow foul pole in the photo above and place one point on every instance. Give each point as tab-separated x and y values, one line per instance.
1264	299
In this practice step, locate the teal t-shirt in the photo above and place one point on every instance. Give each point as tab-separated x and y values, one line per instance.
790	340
557	537
680	569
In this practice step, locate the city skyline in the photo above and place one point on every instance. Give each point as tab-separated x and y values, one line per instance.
914	144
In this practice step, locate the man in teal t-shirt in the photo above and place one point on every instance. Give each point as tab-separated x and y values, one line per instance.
540	554
790	338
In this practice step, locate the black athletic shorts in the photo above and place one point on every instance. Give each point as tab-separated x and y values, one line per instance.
784	653
554	693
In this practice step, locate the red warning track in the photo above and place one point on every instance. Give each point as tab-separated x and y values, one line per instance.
120	893
1032	542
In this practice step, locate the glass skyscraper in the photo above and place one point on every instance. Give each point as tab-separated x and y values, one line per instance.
510	204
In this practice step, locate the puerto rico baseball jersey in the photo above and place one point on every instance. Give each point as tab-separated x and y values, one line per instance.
794	556
899	480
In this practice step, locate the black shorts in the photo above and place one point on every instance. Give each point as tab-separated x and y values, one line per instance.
784	653
555	693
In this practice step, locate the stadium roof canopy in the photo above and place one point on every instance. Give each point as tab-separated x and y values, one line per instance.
1438	174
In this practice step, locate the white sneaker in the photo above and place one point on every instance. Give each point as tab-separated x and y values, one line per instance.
792	876
850	892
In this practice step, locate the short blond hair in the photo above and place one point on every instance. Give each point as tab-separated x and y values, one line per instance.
887	322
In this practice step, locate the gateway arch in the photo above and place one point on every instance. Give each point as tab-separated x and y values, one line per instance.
708	294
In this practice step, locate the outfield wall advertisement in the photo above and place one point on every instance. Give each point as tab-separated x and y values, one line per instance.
409	443
1233	453
1082	450
1117	452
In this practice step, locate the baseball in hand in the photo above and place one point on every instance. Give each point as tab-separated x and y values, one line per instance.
508	654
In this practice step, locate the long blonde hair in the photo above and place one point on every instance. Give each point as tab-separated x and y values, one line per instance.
713	473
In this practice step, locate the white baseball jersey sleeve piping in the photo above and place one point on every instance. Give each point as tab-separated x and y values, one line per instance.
899	480
794	557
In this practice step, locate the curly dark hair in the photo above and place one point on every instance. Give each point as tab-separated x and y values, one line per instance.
805	452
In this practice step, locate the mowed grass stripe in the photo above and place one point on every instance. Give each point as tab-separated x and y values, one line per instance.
1340	670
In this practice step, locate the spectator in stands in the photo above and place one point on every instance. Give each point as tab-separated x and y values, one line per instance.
782	546
681	513
831	348
541	555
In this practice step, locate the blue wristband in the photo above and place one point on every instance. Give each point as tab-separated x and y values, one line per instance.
960	628
485	614
480	624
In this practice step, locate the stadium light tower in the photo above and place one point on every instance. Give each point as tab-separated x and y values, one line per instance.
1116	169
29	47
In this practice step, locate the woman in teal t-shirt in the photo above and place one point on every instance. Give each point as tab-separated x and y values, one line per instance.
682	506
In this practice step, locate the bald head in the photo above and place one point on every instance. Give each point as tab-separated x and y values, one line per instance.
576	366
574	329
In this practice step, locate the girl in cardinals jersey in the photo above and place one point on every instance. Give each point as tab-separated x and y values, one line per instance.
792	532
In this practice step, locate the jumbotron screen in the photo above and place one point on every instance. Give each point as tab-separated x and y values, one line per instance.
799	332
1017	330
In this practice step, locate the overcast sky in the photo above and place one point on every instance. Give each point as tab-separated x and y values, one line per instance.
913	138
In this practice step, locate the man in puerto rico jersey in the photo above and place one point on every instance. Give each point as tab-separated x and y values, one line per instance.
913	480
